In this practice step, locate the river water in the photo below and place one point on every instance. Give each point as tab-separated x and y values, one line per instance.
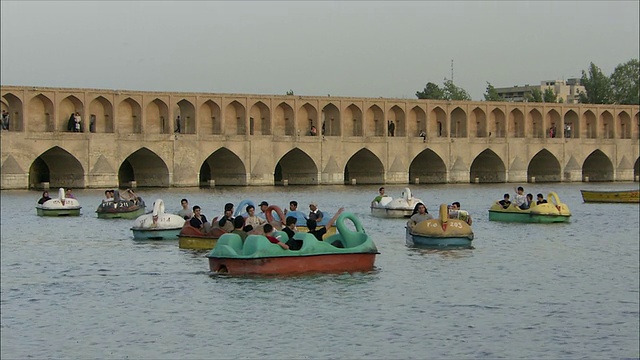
80	288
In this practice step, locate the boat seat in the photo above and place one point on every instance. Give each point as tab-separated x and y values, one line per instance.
233	241
283	236
255	243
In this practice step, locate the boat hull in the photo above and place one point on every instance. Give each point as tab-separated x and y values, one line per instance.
121	215
390	213
287	265
439	242
155	234
196	243
58	212
627	196
527	217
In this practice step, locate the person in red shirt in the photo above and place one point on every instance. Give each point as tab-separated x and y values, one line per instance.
268	232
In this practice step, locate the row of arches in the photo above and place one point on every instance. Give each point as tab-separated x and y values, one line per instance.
60	168
156	115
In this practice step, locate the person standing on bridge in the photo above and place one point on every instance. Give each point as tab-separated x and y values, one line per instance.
392	128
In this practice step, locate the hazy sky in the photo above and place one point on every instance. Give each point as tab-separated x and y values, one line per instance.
356	48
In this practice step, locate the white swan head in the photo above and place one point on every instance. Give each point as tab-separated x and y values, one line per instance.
61	194
406	194
158	207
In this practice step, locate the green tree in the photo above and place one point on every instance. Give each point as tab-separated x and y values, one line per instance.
549	96
431	91
290	92
625	81
535	96
453	92
597	87
491	94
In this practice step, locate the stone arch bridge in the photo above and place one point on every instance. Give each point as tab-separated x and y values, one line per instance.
129	138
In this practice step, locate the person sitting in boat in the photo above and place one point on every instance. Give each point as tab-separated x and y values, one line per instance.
226	222
268	233
520	200
69	194
290	229
253	219
108	197
185	212
315	213
293	206
130	196
456	213
420	214
541	199
263	209
505	202
319	233
378	198
238	228
199	221
45	197
529	200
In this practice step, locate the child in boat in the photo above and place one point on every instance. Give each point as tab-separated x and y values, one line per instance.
520	200
541	200
505	202
268	232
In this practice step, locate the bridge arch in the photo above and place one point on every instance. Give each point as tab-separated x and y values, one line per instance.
535	125
284	120
209	118
41	114
545	167
590	124
375	123
58	167
297	167
101	114
307	117
396	114
438	123
353	124
365	167
66	108
516	124
555	121
259	119
497	123
233	173
458	124
478	123
13	105
129	117
417	121
157	120
488	168
608	127
234	116
187	113
598	167
571	120
428	168
331	120
144	167
624	125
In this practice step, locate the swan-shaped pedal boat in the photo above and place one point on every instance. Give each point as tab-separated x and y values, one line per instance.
552	212
120	208
355	252
441	232
59	207
389	207
157	225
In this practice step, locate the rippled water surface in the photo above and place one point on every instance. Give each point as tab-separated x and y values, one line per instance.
82	288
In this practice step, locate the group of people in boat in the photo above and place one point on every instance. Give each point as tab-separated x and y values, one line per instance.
45	196
128	195
454	211
253	223
521	201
